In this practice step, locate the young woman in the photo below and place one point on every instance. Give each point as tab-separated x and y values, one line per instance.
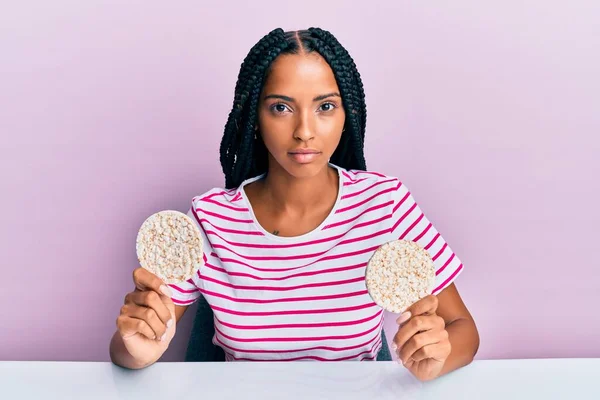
286	242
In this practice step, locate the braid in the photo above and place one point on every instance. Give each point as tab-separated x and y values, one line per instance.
243	154
349	152
238	138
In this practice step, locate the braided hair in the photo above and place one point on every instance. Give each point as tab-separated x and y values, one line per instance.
243	153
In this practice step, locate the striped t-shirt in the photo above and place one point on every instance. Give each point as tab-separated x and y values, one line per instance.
304	298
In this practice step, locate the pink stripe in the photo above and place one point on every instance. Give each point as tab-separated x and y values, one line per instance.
432	242
210	196
440	252
292	312
449	279
232	260
341	210
361	172
347	176
297	338
293	326
194	212
280	288
354	253
312	273
234	231
265	258
439	271
313	242
183	290
424	232
244	221
378	343
347	196
269	258
183	302
406	214
290	258
410	228
387	203
363	238
363	224
328	348
240	209
275	246
397	206
237	197
354	182
285	299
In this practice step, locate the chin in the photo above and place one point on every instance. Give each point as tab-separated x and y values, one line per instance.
303	171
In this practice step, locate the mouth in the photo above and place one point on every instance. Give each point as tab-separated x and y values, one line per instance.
304	156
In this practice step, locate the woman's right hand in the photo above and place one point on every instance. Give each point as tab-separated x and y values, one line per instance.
147	320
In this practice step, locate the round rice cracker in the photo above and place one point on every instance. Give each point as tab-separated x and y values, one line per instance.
399	274
169	245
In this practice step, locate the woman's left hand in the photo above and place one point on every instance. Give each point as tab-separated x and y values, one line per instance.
422	342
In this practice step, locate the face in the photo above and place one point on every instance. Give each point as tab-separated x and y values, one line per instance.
300	116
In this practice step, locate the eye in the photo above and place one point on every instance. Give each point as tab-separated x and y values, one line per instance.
279	108
325	107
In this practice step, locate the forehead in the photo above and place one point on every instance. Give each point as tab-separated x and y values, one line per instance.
306	73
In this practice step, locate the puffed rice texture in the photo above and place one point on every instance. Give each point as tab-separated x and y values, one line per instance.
169	245
399	274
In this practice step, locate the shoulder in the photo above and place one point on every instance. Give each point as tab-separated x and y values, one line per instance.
219	206
357	181
218	199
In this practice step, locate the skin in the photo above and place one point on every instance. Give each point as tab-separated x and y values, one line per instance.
300	108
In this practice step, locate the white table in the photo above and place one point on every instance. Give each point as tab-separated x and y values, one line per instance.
503	379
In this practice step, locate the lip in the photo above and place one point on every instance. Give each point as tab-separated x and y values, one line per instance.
304	156
305	151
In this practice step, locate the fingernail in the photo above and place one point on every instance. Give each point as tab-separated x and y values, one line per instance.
166	291
394	346
162	339
169	323
403	318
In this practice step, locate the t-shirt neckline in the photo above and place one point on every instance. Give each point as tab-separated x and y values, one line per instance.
307	235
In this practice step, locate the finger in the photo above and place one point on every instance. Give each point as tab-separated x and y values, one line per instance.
129	327
426	306
405	316
147	315
420	341
146	280
439	352
154	301
417	324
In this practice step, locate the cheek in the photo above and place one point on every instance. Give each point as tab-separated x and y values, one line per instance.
271	129
331	132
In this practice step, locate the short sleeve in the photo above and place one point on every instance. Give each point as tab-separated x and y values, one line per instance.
186	293
410	223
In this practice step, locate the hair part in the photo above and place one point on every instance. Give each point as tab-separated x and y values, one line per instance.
243	152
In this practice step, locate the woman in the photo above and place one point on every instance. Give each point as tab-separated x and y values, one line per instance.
287	241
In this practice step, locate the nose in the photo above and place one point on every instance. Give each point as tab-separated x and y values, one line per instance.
304	128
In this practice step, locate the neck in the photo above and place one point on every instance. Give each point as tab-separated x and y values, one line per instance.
300	194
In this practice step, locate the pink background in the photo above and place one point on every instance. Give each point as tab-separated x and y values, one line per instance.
488	111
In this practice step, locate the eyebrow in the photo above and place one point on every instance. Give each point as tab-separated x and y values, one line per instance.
291	100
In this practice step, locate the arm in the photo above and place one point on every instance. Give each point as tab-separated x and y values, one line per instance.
461	328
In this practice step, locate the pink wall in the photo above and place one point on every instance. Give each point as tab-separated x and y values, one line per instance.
111	110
